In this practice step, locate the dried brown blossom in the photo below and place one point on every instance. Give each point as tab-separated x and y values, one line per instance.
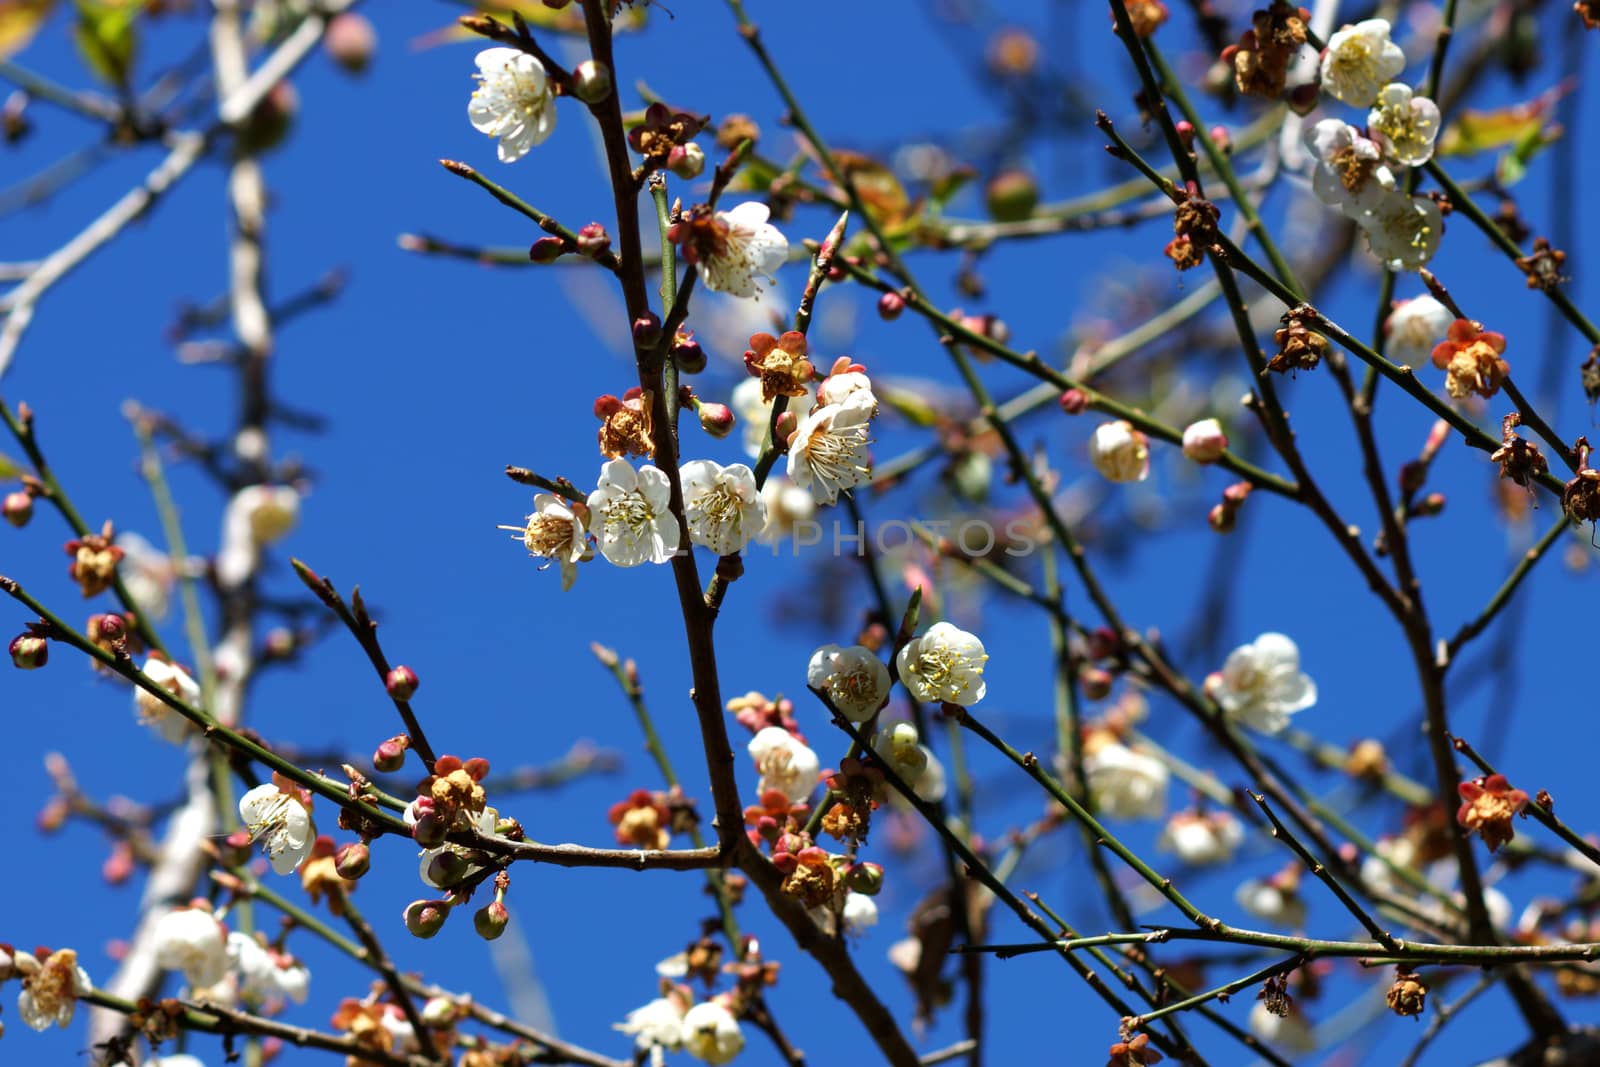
1543	265
641	821
1261	59
1519	460
1471	358
1589	12
1133	1052
1407	996
1146	16
662	130
625	425
780	363
1274	996
1487	807
1299	346
94	560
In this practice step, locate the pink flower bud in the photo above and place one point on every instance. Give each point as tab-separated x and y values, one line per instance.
687	354
788	422
352	860
547	250
1431	504
118	867
1074	401
1095	682
646	330
890	305
401	682
1185	130
717	420
1204	441
591	81
447	868
593	240
391	755
424	918
17	508
1221	138
350	41
687	161
1236	493
490	920
1222	518
234	851
29	652
430	831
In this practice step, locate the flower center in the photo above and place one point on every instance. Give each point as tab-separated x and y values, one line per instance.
629	515
1354	169
547	535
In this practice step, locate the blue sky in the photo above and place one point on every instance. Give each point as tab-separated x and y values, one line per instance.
435	374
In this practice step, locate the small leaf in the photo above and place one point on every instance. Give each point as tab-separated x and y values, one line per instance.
566	22
9	468
107	39
19	21
1478	131
1513	165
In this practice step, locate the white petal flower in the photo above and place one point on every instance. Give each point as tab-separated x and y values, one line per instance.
631	516
1287	1033
191	940
1359	60
829	450
1271	901
788	508
1261	684
278	814
1404	125
656	1027
1120	452
1404	231
746	247
512	102
1126	784
148	574
1202	838
269	512
555	531
855	680
860	913
182	1059
152	712
265	974
837	388
711	1033
50	988
943	665
1350	174
722	505
915	763
785	763
1414	328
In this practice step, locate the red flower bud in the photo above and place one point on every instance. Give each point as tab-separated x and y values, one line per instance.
29	651
401	682
424	918
490	920
17	508
890	305
716	419
352	860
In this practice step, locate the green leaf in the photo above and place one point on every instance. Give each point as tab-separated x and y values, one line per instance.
107	39
1513	165
9	468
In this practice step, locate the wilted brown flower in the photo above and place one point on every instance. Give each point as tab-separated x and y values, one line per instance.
1487	806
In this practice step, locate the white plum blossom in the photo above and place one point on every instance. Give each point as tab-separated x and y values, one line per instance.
944	665
785	763
860	914
1202	838
755	414
788	507
631	516
555	531
837	388
278	815
1275	900
1404	231
1120	452
148	574
1125	784
854	679
657	1027
1350	173
156	714
914	762
256	516
1414	328
1287	1033
1261	684
743	247
722	505
50	988
266	974
711	1033
829	449
1404	125
1204	441
512	102
1360	60
191	940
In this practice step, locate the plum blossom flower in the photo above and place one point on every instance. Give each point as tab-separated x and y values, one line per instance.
754	413
191	940
631	516
855	680
1204	441
256	516
829	450
148	574
914	762
860	913
1472	359
50	988
785	763
657	1027
732	248
722	505
1202	838
711	1033
1261	684
1290	1033
1487	807
788	506
1123	783
1275	900
1414	327
278	814
266	974
512	102
1359	60
152	712
1403	231
1350	173
555	531
1404	125
944	665
1120	452
846	380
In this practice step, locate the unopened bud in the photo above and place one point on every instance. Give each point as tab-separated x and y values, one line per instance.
440	1013
17	508
717	420
687	354
350	41
424	918
29	651
352	860
864	878
1431	504
1303	99
646	330
787	423
890	305
119	866
391	755
235	849
1074	401
401	682
1204	441
591	81
1223	518
1236	493
547	250
1095	682
1413	475
446	869
490	920
1221	138
687	161
593	240
1185	130
429	831
1011	196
